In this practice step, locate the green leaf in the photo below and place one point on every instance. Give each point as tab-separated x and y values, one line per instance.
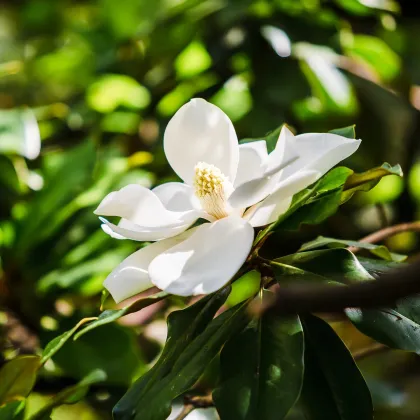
104	349
396	327
244	288
70	395
339	265
183	327
155	402
56	343
374	53
387	326
17	378
112	315
333	386
273	347
42	219
270	139
313	204
380	251
111	91
349	132
12	411
365	181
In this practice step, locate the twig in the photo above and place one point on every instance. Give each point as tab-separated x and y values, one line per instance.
304	298
199	401
369	351
383	218
382	234
195	401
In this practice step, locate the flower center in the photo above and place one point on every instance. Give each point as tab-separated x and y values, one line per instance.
210	187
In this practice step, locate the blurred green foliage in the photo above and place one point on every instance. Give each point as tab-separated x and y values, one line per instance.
102	78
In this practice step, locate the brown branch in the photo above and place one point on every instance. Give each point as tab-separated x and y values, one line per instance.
199	401
195	401
304	298
385	233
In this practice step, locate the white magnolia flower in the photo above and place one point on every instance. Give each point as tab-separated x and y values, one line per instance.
234	187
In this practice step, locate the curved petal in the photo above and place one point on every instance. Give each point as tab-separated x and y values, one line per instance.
176	196
201	132
144	211
270	209
284	153
131	276
129	230
258	188
253	191
252	157
320	152
205	261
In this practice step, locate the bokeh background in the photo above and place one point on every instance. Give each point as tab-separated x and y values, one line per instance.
96	83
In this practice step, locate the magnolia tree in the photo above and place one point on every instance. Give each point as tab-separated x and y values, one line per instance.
206	238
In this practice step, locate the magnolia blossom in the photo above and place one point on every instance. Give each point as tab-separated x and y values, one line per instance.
233	187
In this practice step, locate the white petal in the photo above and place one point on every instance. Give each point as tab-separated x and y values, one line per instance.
252	157
131	276
176	196
203	414
252	192
270	209
142	206
201	132
129	230
205	261
320	152
258	188
284	153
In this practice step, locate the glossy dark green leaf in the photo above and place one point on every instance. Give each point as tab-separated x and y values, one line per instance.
261	370
17	378
323	202
380	251
333	386
313	204
183	327
112	315
155	402
397	327
69	395
387	326
337	264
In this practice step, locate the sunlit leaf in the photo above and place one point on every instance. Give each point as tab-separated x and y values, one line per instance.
17	378
114	90
112	315
380	251
69	395
193	60
58	342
